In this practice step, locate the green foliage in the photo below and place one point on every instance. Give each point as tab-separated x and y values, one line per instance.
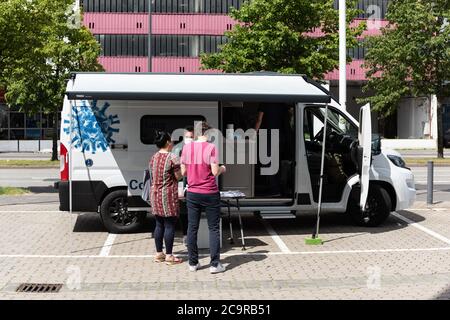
40	51
412	55
272	36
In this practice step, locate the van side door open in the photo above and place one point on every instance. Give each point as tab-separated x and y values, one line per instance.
365	142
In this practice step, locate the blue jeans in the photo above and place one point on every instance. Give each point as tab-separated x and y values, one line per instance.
165	229
210	203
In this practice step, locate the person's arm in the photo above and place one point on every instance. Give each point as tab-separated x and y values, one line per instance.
176	167
217	170
183	170
182	163
178	174
259	120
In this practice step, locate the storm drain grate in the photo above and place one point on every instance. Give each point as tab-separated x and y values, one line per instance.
39	287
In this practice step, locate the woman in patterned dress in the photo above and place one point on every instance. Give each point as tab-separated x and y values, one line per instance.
165	169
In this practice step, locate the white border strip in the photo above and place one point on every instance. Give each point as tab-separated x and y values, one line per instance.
32	211
230	254
275	237
107	245
422	228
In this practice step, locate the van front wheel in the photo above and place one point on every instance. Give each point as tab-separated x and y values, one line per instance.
115	215
378	206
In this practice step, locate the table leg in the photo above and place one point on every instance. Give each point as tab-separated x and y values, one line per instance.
240	224
229	221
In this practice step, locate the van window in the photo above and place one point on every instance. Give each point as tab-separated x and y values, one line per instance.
168	123
313	123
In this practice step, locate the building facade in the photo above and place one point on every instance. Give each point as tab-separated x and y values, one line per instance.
169	35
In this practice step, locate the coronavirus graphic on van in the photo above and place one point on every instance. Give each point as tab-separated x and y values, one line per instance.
92	128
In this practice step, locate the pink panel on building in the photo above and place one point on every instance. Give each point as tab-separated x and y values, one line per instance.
191	24
116	23
124	64
355	72
178	64
372	28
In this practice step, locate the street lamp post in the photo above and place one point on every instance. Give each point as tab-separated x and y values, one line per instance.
342	55
150	6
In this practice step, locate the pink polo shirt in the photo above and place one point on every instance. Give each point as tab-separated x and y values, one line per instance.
198	157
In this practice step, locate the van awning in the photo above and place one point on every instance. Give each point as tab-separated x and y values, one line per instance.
257	87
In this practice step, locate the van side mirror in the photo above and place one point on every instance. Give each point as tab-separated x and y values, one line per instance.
376	144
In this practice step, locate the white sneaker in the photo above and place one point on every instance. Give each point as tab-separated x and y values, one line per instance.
218	269
194	268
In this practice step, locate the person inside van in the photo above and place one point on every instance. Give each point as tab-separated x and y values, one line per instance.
270	117
188	137
199	162
165	169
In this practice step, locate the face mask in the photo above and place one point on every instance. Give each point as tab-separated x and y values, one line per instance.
188	140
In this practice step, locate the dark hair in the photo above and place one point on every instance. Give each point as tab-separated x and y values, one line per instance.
161	139
202	127
189	128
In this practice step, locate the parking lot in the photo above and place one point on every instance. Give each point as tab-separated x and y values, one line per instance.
408	257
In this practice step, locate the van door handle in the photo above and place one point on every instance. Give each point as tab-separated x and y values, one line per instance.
119	146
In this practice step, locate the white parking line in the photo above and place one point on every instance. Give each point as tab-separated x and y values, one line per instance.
275	237
422	228
107	245
324	252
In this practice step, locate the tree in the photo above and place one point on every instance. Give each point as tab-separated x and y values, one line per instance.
36	78
411	57
272	35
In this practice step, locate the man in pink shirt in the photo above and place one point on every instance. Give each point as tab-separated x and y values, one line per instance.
199	162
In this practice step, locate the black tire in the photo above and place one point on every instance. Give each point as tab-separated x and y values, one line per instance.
377	210
115	215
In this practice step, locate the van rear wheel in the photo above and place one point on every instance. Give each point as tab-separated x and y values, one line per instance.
115	215
378	206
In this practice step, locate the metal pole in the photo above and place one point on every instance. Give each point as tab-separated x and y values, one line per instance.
70	157
150	5
322	164
342	55
430	176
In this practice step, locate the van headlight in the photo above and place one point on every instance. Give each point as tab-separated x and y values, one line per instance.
398	161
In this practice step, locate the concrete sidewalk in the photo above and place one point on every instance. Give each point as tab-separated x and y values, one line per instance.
25	155
425	153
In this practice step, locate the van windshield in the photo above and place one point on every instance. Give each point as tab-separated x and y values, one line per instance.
338	122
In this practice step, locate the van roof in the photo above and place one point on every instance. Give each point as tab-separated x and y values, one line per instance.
257	87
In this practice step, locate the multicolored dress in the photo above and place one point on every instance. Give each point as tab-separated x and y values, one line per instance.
164	190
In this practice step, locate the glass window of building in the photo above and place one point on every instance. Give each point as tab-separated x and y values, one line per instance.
17	134
162	6
17	120
371	9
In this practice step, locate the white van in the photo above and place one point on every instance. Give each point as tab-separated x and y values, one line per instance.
109	142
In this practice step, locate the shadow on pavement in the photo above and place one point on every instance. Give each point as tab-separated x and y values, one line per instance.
332	223
237	260
443	295
92	222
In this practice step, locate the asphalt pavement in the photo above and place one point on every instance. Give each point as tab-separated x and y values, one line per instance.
32	178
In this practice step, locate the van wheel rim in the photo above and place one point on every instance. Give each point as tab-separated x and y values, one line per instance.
118	211
372	208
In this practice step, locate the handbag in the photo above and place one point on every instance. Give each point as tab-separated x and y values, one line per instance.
147	185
